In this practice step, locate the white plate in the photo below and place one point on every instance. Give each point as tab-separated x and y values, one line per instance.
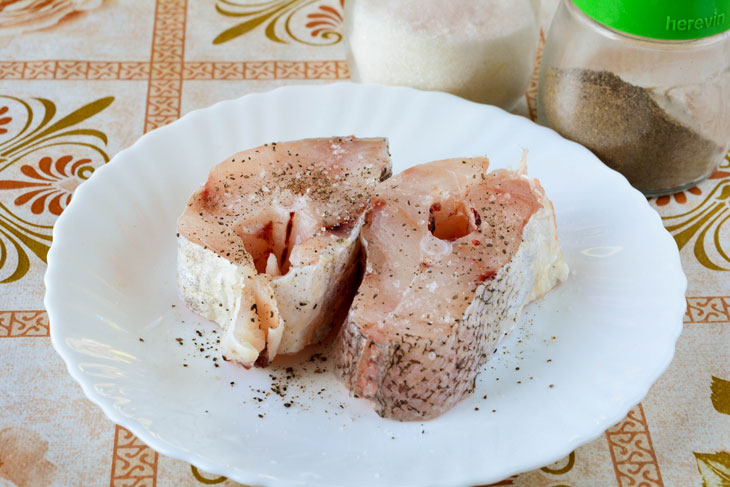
600	339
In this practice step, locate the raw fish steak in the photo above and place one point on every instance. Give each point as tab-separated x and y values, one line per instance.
453	255
268	248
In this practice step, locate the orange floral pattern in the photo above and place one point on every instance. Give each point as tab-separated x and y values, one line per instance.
46	184
681	197
52	185
702	227
20	16
326	21
4	120
280	19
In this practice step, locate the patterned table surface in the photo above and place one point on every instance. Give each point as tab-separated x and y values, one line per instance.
82	79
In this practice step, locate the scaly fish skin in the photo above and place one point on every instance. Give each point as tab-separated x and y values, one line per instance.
453	255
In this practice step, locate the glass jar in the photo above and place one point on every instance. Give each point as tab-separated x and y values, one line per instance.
644	84
481	50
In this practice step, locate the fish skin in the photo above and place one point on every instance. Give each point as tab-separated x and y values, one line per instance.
268	248
431	311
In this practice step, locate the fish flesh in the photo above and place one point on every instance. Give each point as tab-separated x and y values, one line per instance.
453	254
269	247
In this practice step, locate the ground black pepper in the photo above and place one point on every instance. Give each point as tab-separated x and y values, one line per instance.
626	128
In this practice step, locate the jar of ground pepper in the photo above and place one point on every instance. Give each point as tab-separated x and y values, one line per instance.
644	84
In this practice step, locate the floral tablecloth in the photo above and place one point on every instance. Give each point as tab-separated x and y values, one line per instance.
82	79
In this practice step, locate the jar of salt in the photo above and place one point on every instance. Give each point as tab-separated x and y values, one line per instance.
644	84
482	50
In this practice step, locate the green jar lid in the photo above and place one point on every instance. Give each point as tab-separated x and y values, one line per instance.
661	19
